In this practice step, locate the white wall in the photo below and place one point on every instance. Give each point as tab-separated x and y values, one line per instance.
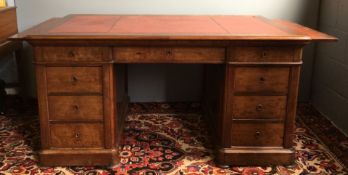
32	12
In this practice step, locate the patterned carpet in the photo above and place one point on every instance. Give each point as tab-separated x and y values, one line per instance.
163	138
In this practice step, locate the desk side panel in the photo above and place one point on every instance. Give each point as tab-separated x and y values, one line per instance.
8	23
213	102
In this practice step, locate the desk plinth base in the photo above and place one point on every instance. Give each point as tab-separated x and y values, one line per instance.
246	156
90	157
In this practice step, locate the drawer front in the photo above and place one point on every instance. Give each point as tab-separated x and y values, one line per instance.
262	79
261	54
74	54
169	54
257	134
74	79
75	108
86	135
259	107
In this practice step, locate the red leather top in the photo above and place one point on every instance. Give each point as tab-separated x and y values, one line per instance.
172	25
175	27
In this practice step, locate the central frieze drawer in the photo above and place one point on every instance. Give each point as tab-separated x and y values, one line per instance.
75	108
169	54
259	107
262	54
74	79
84	135
73	54
257	134
262	79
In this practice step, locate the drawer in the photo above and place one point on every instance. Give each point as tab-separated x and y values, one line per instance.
262	54
75	108
257	134
74	79
81	135
262	79
169	54
73	54
259	107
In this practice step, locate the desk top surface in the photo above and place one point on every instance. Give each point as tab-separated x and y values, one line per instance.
170	28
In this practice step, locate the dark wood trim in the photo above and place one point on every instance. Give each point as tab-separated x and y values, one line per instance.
266	63
294	80
43	105
89	157
227	122
255	156
74	94
291	107
75	121
109	105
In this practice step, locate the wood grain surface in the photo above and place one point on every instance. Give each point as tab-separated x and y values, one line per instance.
170	27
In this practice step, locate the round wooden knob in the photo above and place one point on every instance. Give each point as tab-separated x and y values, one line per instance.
257	134
262	79
77	135
74	79
259	107
168	52
71	53
76	108
264	54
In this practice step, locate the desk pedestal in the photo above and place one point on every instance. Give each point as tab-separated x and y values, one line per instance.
250	97
251	101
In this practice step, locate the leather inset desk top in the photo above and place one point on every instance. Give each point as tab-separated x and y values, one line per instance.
171	27
87	24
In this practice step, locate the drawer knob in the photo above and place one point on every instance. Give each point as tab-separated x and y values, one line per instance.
259	107
168	52
77	135
71	53
76	108
262	79
74	79
257	134
264	54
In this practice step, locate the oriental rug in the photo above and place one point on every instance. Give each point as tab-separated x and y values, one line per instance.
173	139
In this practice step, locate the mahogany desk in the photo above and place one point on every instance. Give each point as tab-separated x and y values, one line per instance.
251	82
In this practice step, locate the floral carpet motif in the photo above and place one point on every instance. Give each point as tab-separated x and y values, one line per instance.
161	139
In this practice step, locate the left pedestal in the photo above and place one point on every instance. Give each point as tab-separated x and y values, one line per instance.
77	106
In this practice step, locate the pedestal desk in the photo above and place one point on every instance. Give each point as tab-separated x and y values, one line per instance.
252	71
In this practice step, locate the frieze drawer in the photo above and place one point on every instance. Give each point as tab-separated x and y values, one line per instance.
72	54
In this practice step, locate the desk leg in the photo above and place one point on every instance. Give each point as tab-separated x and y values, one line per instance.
18	57
214	110
120	103
2	97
